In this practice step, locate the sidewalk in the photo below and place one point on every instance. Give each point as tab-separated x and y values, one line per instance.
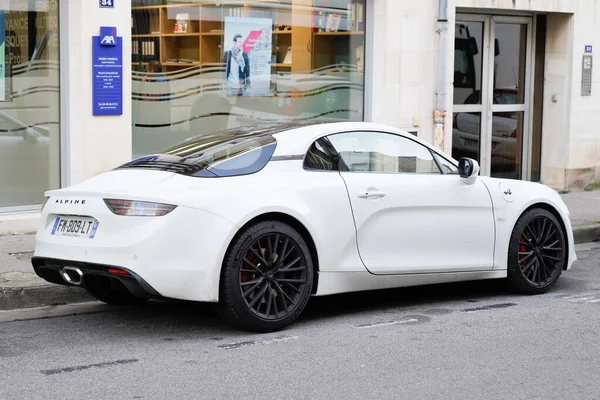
20	287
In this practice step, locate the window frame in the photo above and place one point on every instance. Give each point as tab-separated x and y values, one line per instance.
432	152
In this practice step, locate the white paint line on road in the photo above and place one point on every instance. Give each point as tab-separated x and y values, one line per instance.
387	323
237	345
574	296
279	339
585	298
594	301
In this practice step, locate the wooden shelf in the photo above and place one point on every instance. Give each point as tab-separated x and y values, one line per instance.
338	33
146	7
197	34
175	64
181	34
202	43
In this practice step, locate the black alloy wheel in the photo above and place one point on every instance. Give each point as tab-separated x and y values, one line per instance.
273	276
267	277
537	252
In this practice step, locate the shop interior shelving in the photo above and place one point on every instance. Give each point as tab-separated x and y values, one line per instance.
154	36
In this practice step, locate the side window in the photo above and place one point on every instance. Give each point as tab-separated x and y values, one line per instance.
383	152
446	166
322	156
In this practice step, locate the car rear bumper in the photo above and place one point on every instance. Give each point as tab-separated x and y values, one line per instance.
178	255
74	273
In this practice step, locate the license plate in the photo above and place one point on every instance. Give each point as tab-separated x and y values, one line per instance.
471	143
84	227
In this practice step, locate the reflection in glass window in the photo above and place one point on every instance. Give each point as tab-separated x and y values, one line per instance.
210	66
468	61
230	153
383	152
446	166
29	102
323	156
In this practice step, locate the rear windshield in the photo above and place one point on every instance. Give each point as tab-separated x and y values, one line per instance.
230	153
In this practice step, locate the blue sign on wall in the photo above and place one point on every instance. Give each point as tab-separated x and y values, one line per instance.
107	72
588	49
107	3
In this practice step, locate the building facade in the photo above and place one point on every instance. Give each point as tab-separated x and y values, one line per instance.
510	83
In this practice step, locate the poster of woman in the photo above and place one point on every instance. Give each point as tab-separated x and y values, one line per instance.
247	56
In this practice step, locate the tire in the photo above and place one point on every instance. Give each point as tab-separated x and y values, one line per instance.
101	289
537	253
262	290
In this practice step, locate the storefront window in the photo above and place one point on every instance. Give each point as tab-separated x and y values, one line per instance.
201	67
29	101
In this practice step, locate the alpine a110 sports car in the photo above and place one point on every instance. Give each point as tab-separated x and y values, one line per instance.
257	219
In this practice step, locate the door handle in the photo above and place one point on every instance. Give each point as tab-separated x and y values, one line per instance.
366	195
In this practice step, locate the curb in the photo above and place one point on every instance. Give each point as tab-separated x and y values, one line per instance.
42	295
586	233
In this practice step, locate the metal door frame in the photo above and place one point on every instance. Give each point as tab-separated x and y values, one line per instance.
487	108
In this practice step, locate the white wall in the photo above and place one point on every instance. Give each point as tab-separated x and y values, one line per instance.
404	78
94	143
583	163
404	64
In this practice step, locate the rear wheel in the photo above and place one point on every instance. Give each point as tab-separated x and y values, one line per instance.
266	278
537	252
104	289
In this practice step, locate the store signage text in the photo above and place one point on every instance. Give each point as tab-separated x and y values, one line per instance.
107	72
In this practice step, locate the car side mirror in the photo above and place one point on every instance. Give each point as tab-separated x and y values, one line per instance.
468	168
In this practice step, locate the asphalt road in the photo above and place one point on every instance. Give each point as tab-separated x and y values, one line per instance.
461	341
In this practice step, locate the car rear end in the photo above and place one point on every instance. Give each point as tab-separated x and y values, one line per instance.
143	227
151	247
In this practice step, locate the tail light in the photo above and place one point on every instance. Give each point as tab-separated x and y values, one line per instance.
116	271
514	134
135	208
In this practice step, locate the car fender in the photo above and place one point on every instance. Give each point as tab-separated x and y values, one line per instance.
511	198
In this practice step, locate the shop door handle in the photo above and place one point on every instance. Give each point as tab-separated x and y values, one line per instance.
366	195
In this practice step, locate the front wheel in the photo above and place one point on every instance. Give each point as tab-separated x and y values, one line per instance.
537	252
266	279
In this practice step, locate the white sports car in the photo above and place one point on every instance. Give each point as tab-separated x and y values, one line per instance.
258	219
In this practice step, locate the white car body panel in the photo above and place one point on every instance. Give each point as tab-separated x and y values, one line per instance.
180	254
448	213
523	196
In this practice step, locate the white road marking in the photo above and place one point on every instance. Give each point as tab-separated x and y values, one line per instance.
590	297
237	345
279	339
582	299
582	296
387	323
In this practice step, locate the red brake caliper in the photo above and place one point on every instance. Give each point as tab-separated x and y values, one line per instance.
245	276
